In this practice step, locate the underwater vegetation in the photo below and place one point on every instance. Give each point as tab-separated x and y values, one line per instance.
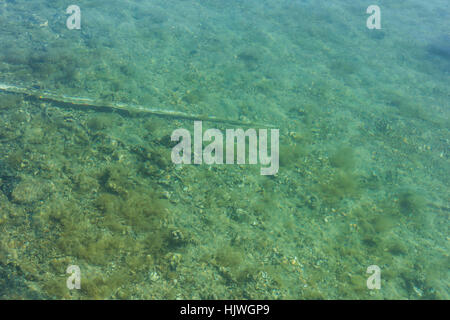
340	180
130	223
411	203
291	155
363	152
228	257
403	105
194	96
344	158
108	217
344	66
98	123
9	101
341	184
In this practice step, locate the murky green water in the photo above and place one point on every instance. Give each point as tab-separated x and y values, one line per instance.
363	177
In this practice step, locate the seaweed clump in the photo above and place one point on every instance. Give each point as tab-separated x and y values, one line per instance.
228	257
128	229
343	158
410	202
342	184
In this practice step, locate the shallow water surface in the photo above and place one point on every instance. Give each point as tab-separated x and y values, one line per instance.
363	120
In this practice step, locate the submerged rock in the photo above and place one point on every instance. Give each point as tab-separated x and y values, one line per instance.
29	191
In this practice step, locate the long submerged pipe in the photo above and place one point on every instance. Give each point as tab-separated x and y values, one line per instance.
90	103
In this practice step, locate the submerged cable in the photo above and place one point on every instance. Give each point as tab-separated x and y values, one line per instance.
90	103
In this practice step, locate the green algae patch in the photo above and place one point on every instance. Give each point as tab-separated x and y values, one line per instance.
411	202
340	185
228	257
344	158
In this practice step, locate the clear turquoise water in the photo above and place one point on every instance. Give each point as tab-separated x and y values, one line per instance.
364	145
